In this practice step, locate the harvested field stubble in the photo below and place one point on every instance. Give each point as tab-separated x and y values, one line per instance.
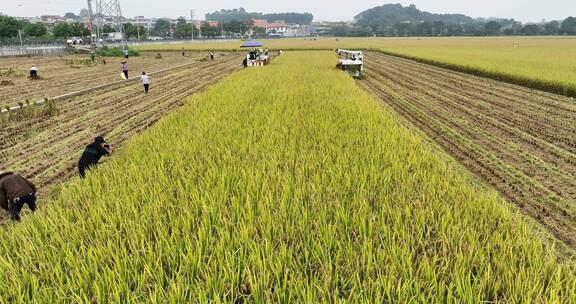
72	73
294	188
518	140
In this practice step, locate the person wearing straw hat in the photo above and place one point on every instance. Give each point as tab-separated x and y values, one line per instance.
15	191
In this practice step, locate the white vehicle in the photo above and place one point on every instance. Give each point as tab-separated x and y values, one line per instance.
74	41
113	37
351	62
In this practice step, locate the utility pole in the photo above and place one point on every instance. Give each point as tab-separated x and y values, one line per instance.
107	8
20	34
91	24
192	23
138	29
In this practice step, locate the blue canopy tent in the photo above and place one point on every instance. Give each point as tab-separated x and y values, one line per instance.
252	44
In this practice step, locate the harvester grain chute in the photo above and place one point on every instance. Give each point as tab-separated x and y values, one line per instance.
351	62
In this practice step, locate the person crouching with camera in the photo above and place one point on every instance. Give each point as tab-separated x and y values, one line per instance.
92	155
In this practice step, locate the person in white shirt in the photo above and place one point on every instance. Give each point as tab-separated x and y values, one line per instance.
145	79
34	72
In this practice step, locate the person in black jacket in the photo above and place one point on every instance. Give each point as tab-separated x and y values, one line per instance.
92	155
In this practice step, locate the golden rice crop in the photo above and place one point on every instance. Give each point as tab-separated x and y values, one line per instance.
287	184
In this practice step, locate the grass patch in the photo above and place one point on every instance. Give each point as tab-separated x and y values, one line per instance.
116	52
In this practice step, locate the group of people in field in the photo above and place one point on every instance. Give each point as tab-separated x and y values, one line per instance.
17	191
144	78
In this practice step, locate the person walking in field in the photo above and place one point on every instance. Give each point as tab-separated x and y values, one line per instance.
92	155
126	54
211	55
124	68
15	191
145	80
183	53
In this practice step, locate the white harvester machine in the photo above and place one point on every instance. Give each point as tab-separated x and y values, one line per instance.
257	57
351	62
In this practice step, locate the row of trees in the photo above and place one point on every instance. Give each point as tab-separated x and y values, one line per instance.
11	28
440	28
240	14
183	30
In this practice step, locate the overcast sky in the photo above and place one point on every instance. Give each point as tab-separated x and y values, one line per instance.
323	10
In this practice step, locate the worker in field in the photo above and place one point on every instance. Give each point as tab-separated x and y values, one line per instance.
211	55
34	72
245	62
124	67
145	80
183	52
92	56
92	155
126	54
15	191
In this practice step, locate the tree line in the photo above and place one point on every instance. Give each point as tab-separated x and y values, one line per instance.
12	28
183	30
440	28
240	14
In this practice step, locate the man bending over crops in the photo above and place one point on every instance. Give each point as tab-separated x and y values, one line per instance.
92	155
15	191
34	72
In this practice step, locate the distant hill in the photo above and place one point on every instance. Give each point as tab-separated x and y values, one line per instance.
390	14
395	20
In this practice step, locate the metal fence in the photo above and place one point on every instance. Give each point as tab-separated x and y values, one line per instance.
38	50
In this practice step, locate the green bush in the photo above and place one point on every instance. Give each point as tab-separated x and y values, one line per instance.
116	52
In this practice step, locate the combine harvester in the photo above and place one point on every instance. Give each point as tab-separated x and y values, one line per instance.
351	62
257	56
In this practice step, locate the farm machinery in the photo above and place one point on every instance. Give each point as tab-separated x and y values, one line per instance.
257	58
351	62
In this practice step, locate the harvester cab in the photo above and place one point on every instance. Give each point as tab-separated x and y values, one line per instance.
257	57
351	62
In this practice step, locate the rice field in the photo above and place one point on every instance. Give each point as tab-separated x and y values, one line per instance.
289	184
546	63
